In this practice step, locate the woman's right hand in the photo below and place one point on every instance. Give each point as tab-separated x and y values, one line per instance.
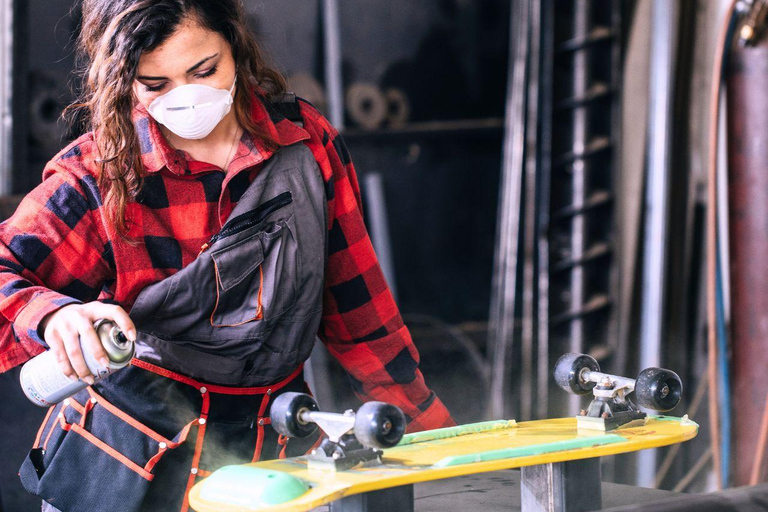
65	329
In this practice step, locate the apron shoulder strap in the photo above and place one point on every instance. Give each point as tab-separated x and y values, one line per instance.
288	107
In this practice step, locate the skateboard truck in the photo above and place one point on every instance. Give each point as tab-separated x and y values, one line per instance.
353	438
612	406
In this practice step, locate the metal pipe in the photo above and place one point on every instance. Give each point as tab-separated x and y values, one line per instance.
530	207
663	54
582	79
333	78
747	109
505	266
543	199
377	213
6	96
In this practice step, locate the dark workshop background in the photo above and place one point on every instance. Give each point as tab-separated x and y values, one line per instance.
506	184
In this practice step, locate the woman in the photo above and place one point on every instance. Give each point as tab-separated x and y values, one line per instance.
217	225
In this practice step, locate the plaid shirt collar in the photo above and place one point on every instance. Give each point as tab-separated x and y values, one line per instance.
157	153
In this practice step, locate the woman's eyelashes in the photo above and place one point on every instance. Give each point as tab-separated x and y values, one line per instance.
154	88
206	74
159	87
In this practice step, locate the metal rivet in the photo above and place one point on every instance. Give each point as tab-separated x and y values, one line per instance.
201	421
261	421
93	400
67	402
163	446
203	390
194	471
60	416
269	392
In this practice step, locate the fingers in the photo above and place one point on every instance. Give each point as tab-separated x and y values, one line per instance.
69	331
56	345
70	336
117	315
89	341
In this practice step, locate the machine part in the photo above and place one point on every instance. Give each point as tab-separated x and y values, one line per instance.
385	500
366	105
503	300
379	425
307	87
563	486
45	384
581	53
332	63
288	414
398	107
754	24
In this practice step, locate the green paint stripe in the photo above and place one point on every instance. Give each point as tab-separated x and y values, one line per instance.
682	421
525	451
446	433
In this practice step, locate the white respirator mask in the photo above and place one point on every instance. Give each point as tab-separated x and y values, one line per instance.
192	111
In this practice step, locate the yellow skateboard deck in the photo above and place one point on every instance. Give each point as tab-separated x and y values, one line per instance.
289	485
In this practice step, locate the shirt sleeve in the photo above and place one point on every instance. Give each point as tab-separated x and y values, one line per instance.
361	324
51	254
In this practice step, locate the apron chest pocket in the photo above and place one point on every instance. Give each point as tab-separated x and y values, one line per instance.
95	442
256	278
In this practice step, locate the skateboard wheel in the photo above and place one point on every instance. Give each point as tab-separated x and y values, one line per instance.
379	425
286	414
658	389
568	372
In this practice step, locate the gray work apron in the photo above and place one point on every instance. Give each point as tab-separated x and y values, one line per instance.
217	342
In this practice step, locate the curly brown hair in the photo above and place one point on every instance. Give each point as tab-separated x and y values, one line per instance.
114	35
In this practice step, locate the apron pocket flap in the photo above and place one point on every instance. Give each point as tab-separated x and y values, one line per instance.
230	269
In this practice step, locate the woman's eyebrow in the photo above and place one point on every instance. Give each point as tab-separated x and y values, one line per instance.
188	71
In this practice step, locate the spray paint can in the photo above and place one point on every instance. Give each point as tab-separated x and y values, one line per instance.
46	385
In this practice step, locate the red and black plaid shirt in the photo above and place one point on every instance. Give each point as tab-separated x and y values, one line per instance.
59	248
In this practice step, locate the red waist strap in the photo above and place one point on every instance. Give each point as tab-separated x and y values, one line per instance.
214	388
